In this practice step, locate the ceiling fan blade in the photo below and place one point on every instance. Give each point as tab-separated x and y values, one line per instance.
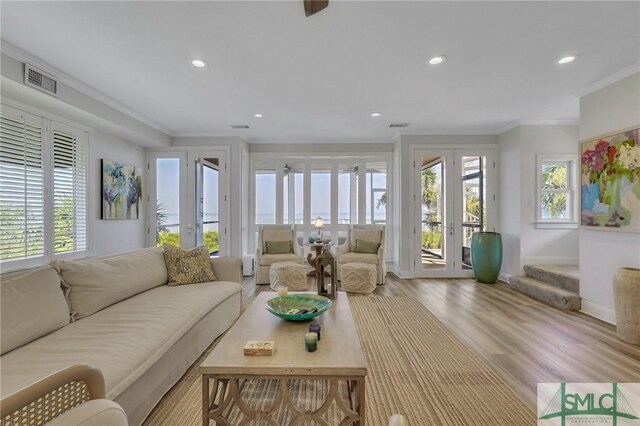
314	6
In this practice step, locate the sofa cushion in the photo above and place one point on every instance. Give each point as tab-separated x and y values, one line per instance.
370	235
123	340
278	247
363	246
359	257
188	266
269	259
97	283
31	305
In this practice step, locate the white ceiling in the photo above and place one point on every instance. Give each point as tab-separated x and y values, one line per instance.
322	77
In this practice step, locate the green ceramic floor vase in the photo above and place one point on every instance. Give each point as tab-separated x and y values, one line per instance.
486	256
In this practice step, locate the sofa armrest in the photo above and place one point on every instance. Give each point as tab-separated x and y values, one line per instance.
74	385
227	268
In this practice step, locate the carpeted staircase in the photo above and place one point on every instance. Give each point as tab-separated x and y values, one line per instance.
554	285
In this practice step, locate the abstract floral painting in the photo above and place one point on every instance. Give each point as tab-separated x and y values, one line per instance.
610	182
121	190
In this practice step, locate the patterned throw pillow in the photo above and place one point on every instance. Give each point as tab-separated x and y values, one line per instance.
188	266
278	247
363	246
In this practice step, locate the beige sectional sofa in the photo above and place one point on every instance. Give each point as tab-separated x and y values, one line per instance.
118	314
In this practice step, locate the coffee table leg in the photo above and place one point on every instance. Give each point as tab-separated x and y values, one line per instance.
361	401
205	400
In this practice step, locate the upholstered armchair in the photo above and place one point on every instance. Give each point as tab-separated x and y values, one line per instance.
266	255
372	236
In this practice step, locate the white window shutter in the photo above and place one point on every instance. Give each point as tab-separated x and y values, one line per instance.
21	188
70	150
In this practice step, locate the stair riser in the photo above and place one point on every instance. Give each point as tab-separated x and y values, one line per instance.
558	280
563	302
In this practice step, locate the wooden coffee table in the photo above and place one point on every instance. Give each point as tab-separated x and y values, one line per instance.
338	358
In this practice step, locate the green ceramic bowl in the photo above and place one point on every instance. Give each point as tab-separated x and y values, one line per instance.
283	306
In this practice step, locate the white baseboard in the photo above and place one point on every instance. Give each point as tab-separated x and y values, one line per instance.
504	277
395	269
552	260
600	312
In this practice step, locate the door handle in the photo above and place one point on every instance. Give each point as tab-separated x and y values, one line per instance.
451	229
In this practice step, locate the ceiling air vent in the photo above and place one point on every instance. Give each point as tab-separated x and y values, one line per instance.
399	125
239	126
39	80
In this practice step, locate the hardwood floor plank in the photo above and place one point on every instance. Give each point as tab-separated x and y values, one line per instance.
524	341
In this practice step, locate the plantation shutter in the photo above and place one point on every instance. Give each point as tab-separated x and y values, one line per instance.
69	190
21	187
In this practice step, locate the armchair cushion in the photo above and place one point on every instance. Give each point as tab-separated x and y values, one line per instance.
359	257
269	259
363	246
97	412
369	235
278	247
276	234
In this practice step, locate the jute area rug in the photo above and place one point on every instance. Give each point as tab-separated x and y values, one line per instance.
417	368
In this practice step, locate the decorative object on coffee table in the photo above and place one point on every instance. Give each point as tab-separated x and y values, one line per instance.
324	261
626	293
486	256
298	307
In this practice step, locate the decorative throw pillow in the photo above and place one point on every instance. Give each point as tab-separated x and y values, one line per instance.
188	266
278	247
363	246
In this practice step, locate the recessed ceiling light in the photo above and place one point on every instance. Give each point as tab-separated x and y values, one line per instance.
258	115
198	63
437	59
375	114
567	59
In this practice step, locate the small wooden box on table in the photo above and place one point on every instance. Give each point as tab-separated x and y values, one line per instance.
338	358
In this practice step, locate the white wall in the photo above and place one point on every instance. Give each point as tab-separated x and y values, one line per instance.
114	236
523	242
602	253
544	246
509	201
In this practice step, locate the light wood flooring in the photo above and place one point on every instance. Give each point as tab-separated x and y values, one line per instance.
524	341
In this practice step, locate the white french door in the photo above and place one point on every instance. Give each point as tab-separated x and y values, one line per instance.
454	197
188	195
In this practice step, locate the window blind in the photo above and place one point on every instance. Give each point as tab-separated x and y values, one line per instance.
69	190
21	186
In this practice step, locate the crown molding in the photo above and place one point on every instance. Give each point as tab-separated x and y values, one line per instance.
549	122
22	56
617	76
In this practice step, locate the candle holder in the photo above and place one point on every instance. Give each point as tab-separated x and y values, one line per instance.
311	342
283	291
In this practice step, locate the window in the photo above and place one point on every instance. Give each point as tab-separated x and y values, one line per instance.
43	190
377	193
265	196
556	190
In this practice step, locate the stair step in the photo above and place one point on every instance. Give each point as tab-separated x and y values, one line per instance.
563	276
547	293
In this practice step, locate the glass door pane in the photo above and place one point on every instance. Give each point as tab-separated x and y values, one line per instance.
207	208
472	203
433	224
167	201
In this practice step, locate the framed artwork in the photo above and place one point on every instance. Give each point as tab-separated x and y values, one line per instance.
121	190
610	182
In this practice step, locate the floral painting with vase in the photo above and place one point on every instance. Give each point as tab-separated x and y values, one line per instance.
610	182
